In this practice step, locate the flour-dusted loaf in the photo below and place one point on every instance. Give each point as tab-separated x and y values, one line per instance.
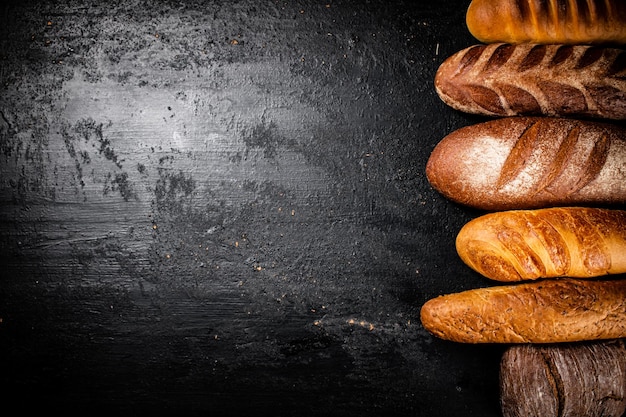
519	245
528	79
548	21
531	162
564	380
547	311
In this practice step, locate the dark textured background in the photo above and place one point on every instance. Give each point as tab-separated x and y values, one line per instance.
220	208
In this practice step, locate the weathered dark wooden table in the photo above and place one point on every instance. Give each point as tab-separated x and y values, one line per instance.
220	208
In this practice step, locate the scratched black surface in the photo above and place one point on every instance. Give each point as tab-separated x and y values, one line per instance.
213	207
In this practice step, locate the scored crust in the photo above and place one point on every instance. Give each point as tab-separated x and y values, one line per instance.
500	79
531	162
551	21
521	245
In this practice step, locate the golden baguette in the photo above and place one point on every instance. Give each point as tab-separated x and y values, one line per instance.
521	245
550	80
526	162
547	311
548	21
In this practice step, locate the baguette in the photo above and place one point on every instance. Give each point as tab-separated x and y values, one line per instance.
548	311
531	162
551	21
528	79
518	245
564	380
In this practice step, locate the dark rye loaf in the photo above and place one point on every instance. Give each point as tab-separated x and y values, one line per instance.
564	380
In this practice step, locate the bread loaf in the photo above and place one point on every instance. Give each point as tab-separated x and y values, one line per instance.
526	162
548	21
564	380
548	311
518	245
528	79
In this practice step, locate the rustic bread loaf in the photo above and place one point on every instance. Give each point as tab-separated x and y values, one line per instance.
521	245
531	162
528	79
547	311
564	380
548	21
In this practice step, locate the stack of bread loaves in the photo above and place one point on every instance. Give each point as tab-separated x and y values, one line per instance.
549	168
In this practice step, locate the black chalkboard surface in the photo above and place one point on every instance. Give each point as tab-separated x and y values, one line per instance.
220	208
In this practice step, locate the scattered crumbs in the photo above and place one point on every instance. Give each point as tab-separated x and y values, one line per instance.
361	323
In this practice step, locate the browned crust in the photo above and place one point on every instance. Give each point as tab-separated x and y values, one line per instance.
528	79
548	21
545	243
548	311
531	162
572	379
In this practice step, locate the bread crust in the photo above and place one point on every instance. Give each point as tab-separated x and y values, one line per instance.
547	311
501	79
519	245
531	162
564	380
548	21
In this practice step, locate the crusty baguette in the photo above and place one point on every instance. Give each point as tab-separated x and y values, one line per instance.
528	79
564	380
548	21
548	311
531	162
518	245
